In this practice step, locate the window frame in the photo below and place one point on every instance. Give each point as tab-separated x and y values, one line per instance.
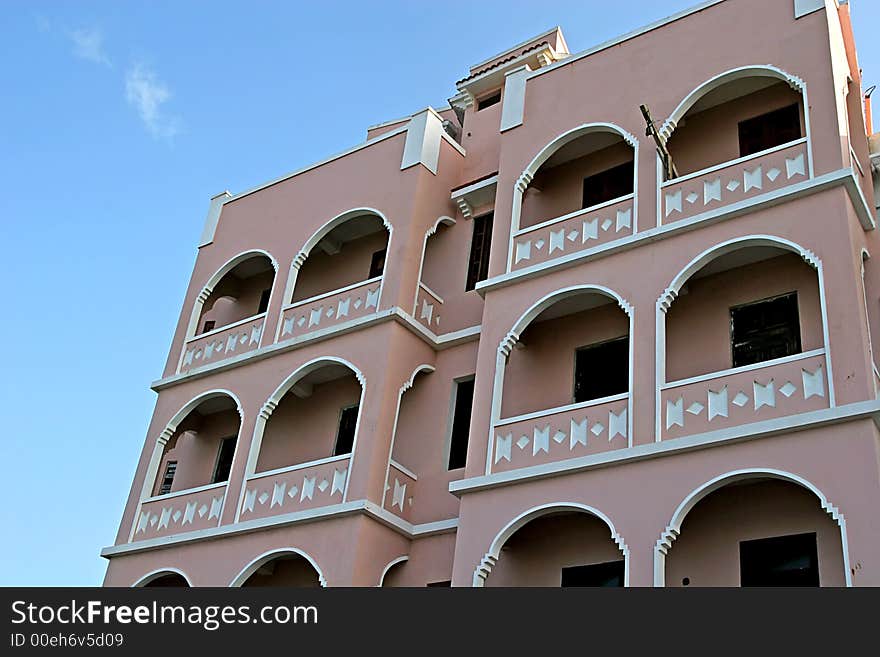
486	247
224	441
168	465
339	428
494	96
598	344
731	336
383	253
453	403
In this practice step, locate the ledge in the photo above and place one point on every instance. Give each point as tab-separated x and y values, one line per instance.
844	177
787	424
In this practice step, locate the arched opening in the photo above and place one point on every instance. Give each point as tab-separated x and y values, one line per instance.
743	337
577	347
757	529
564	545
199	448
587	167
737	114
287	567
167	579
393	575
563	376
350	250
314	418
239	293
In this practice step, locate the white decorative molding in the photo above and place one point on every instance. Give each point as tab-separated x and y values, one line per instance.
487	563
514	101
389	566
213	217
673	529
160	572
423	137
266	557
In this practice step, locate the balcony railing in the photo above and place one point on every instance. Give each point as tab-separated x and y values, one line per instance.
428	305
330	309
561	433
733	181
752	393
399	490
183	511
225	342
295	488
574	232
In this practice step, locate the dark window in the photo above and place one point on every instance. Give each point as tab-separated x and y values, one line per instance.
768	130
377	264
779	561
168	477
264	301
600	574
224	460
444	583
481	242
609	184
488	101
348	418
209	325
601	370
461	423
764	330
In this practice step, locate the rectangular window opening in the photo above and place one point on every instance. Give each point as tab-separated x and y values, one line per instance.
768	130
488	101
264	301
481	243
168	478
601	369
599	574
224	459
209	325
348	417
607	185
779	561
377	264
461	424
444	584
764	330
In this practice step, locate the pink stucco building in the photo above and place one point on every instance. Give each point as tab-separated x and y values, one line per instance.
519	341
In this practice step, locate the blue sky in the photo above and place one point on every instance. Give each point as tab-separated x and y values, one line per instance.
119	121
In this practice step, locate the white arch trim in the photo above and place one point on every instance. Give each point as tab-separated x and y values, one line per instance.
272	403
481	572
507	343
391	565
161	572
664	302
739	73
547	151
218	275
165	436
432	230
303	254
427	369
266	557
673	529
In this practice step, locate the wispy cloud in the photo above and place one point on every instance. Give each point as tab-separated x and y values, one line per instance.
147	94
88	44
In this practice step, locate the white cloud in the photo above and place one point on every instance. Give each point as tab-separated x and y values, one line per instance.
88	44
147	94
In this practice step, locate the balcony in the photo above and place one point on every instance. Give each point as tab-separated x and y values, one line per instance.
400	489
557	434
296	488
574	232
337	277
744	341
734	181
219	344
229	315
303	442
325	311
578	193
185	486
576	343
767	390
184	511
742	135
